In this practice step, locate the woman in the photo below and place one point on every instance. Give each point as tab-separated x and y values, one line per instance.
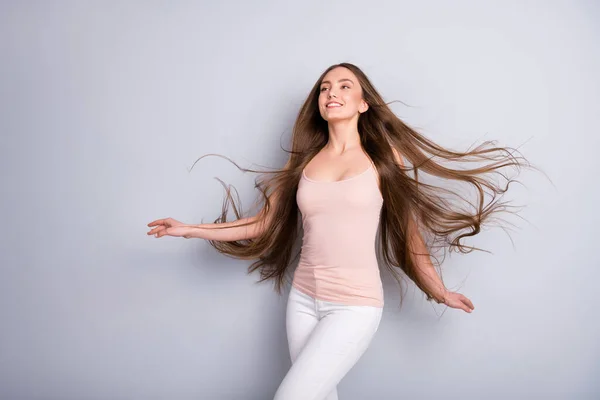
346	178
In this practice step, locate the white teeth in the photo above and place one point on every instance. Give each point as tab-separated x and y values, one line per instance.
334	105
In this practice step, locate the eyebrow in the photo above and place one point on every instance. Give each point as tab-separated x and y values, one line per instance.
341	80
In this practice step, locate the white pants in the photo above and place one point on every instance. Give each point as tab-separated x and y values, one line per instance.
325	340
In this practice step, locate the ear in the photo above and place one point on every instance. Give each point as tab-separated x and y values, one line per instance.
363	107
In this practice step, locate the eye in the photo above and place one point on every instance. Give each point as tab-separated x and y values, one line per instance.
323	89
345	86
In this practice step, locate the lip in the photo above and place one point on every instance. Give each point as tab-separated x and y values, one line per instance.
333	102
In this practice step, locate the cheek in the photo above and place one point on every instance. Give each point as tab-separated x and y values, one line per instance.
321	100
354	101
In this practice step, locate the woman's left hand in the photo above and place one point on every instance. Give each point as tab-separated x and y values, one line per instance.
457	300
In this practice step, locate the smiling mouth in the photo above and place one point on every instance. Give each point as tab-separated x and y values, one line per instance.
333	105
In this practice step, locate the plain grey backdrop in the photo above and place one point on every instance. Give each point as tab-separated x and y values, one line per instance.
105	105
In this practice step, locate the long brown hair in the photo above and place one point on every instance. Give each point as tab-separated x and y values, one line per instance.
443	216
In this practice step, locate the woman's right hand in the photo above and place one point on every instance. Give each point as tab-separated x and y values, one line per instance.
170	227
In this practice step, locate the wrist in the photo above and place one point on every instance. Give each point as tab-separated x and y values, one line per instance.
441	297
195	231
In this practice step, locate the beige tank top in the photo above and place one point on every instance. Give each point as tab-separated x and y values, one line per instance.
338	261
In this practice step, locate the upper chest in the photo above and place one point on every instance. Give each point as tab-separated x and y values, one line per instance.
356	194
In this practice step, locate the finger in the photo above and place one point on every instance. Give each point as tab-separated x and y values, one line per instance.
468	302
157	222
155	230
466	307
160	232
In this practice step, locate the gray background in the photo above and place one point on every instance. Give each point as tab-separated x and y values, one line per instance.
106	105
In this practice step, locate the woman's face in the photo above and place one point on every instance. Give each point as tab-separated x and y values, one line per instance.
340	96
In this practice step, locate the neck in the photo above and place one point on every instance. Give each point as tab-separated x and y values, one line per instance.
343	136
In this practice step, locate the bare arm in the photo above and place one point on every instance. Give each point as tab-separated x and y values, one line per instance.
424	266
228	231
242	229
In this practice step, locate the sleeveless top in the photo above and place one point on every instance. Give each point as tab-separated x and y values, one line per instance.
338	261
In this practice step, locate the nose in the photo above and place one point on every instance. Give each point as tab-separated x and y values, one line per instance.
331	94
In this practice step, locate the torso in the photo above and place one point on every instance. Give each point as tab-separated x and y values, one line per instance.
340	203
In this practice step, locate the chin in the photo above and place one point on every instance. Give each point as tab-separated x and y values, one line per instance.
335	116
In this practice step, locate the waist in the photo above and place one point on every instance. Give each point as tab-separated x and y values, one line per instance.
351	286
342	278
